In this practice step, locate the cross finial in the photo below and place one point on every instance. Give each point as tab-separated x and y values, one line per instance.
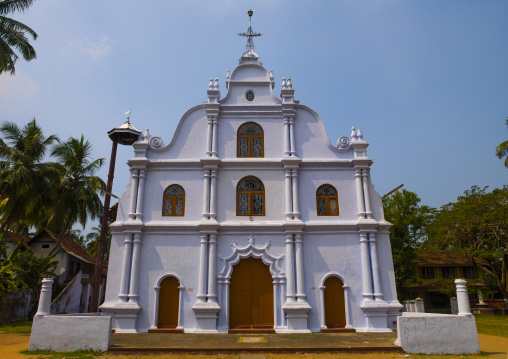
249	34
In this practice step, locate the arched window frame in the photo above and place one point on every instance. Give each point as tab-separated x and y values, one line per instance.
173	200
251	196
250	140
327	201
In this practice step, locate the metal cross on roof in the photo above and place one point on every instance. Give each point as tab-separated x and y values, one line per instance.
249	34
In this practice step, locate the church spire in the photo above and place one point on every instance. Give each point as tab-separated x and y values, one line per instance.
249	34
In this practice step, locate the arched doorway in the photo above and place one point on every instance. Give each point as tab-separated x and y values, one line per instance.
335	309
168	303
251	295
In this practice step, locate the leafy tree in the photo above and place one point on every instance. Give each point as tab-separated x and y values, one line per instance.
12	35
77	198
409	220
476	225
502	150
30	269
26	183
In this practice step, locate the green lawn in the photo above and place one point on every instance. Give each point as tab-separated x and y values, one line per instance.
492	325
23	327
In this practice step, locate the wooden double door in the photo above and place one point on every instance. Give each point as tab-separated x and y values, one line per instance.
251	295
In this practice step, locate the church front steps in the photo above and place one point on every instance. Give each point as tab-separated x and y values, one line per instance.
338	330
173	330
251	330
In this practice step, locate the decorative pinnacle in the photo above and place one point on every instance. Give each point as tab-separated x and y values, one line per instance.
249	34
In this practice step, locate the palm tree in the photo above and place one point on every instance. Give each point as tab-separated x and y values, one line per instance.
502	150
12	35
26	183
93	241
78	197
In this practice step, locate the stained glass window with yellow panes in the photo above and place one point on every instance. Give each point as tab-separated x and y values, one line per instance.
174	201
250	197
327	201
250	140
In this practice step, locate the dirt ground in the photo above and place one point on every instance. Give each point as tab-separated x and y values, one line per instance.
494	348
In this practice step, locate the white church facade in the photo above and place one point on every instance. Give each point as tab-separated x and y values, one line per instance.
250	218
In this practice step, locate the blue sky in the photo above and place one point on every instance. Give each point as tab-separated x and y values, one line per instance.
426	81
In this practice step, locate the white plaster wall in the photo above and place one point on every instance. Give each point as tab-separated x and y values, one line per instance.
250	73
163	253
191	179
343	179
311	138
189	139
273	130
273	181
326	253
115	267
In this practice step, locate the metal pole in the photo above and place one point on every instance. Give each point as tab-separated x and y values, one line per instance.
94	301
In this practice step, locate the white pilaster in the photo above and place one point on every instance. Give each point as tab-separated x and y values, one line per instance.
180	306
287	150
366	192
292	136
134	281
126	268
366	279
213	193
378	290
214	137
296	205
289	198
206	197
300	280
134	193
141	194
202	268
209	138
346	305
359	193
290	269
212	269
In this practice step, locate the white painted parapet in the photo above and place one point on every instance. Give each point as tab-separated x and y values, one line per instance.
462	297
440	333
68	332
437	333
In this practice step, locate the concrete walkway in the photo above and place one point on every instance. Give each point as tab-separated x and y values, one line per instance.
273	343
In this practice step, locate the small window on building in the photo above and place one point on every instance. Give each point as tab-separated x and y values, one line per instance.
427	272
250	197
447	272
327	201
250	140
45	246
469	272
249	96
174	201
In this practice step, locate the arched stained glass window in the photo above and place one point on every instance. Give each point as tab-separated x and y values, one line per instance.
250	197
327	201
174	201
250	140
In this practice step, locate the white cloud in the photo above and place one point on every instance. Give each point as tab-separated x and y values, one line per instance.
96	48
